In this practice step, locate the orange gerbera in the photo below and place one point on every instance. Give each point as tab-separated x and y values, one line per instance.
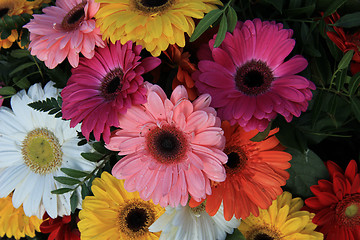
183	77
255	172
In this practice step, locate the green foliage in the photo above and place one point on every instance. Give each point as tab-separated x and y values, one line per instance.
236	235
349	20
50	105
306	169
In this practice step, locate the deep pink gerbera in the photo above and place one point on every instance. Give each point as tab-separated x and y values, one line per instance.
65	30
107	85
173	147
248	79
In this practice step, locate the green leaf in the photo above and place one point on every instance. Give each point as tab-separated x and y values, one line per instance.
319	100
74	173
50	105
349	20
345	61
67	180
232	19
306	169
9	22
340	79
335	4
222	31
99	147
236	235
354	84
85	191
307	11
21	67
205	23
5	33
19	53
7	91
355	106
74	200
61	190
93	157
278	4
262	135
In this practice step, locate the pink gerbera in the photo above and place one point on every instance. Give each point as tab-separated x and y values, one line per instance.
248	79
173	147
107	85
65	30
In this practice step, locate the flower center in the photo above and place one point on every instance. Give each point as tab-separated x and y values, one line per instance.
236	159
253	78
135	217
152	6
4	11
41	151
263	233
112	84
347	211
167	144
73	18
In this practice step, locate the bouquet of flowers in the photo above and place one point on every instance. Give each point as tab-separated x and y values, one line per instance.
179	119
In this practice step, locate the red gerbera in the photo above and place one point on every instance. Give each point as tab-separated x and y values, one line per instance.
337	203
345	41
60	228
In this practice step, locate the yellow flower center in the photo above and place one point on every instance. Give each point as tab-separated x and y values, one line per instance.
135	217
263	233
73	18
41	151
152	6
347	210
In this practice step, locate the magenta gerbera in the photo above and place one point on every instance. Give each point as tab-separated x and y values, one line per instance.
173	147
107	85
248	79
65	30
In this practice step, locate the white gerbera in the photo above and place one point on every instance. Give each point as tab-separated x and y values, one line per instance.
186	223
33	147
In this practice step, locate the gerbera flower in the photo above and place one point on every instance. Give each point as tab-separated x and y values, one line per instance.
185	68
114	213
248	79
11	8
60	228
186	223
14	223
33	148
173	147
255	172
64	31
152	24
337	203
105	86
345	41
282	220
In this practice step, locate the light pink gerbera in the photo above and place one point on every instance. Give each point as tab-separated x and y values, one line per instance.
248	79
65	30
107	85
173	147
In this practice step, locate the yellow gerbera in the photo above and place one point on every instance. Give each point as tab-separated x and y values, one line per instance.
114	213
13	221
282	220
154	24
16	7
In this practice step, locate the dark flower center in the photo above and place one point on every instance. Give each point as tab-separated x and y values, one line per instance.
236	159
153	3
348	210
136	219
253	78
167	144
263	236
152	6
112	84
4	11
73	18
